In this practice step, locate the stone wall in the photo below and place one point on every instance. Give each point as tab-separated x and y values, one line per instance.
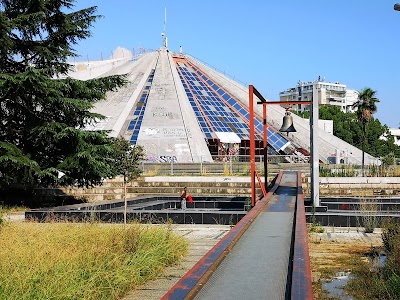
355	186
113	189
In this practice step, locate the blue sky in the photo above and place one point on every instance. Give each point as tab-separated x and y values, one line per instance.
270	44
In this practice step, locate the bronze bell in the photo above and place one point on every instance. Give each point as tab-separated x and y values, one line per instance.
287	125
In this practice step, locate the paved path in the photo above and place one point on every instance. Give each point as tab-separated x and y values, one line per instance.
14	216
201	239
257	265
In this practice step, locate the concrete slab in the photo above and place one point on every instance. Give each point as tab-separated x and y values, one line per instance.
20	217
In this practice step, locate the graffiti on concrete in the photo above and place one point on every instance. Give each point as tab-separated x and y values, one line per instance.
162	112
151	131
166	114
166	152
168	159
174	132
161	159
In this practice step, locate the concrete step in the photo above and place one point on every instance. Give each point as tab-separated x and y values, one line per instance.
191	190
192	184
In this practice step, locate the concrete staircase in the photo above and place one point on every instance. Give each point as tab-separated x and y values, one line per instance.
221	186
113	189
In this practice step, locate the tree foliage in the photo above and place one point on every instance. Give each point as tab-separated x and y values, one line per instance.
126	159
42	111
366	107
347	127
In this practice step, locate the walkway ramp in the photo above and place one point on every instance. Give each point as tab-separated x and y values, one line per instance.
256	260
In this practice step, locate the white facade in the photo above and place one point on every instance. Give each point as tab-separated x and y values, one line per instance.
333	94
395	132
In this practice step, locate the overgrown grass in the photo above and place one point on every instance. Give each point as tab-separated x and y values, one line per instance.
227	169
82	261
12	209
315	228
339	171
354	170
368	212
383	283
153	172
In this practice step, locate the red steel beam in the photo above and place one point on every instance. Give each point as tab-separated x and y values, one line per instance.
265	127
301	288
286	102
252	146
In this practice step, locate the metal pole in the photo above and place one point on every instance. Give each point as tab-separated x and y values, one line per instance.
314	148
252	147
125	201
265	147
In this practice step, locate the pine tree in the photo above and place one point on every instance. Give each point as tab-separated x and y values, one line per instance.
42	111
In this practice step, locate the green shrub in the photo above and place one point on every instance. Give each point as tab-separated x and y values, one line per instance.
384	283
369	213
390	235
391	243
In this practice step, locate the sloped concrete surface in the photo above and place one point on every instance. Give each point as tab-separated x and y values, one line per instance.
328	143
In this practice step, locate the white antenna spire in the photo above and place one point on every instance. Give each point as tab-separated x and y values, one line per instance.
164	33
165	19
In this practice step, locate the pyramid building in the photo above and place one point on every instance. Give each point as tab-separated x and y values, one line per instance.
181	110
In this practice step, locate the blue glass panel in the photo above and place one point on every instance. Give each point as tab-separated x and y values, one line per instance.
226	96
221	92
219	102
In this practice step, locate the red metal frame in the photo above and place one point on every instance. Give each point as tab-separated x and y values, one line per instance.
263	189
288	102
252	147
265	127
253	171
301	273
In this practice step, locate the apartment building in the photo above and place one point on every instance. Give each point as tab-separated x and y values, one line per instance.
395	132
329	93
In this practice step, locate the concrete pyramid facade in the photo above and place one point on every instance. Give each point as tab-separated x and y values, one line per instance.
181	110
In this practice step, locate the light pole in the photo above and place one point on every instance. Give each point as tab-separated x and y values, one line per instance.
397	6
314	147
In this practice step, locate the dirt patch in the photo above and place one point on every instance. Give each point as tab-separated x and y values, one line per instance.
336	250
